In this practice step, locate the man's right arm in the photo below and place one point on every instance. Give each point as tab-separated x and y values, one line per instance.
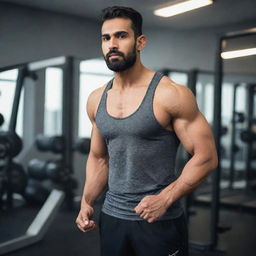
96	168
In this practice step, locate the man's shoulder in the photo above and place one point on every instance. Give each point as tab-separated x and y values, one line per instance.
169	89
173	96
94	100
95	95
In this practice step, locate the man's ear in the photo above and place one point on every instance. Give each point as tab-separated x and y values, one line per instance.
141	42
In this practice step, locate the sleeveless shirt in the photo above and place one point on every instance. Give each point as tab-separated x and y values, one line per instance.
141	156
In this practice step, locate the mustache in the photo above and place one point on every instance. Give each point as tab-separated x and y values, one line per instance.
114	52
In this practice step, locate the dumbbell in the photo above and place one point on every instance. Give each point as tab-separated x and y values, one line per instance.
36	192
55	144
42	170
247	136
10	144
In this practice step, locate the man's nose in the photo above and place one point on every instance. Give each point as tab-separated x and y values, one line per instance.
113	44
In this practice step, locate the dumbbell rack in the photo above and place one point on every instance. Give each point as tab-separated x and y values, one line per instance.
46	214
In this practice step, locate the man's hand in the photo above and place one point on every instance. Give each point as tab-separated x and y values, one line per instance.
152	207
83	219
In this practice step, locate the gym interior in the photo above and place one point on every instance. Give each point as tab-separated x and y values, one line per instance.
51	60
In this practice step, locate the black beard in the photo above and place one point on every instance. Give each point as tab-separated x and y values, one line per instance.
125	63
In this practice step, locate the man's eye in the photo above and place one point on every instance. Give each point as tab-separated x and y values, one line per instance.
105	38
122	36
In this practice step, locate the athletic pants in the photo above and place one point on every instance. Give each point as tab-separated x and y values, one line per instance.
121	237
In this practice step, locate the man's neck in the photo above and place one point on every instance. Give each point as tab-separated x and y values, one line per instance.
130	77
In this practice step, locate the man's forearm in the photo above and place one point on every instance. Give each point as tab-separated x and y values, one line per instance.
96	178
193	174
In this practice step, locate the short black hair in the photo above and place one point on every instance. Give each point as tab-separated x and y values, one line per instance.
124	12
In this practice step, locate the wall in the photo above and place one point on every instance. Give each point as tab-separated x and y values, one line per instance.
28	34
194	49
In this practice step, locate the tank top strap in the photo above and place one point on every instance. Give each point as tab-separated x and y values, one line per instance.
102	104
109	85
152	86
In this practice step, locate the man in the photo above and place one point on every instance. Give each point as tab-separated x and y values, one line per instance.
138	120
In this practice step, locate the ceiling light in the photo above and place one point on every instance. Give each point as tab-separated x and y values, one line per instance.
238	53
181	7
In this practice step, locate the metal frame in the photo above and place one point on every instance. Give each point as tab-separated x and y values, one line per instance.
192	80
23	72
67	122
39	226
250	111
218	80
233	140
36	65
28	70
217	129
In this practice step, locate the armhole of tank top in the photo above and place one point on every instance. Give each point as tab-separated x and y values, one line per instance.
101	99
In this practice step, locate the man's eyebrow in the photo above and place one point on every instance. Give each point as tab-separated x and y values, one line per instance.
116	33
121	32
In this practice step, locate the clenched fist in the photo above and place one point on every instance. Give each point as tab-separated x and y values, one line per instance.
151	207
83	219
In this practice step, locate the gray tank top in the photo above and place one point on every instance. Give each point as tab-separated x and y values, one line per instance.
141	156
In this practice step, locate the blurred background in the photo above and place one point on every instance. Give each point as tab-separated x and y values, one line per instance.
51	60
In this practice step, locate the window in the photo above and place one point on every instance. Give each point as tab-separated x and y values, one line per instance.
94	74
204	95
7	90
241	99
53	101
209	102
227	103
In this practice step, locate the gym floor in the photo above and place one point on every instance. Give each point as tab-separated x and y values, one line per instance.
63	238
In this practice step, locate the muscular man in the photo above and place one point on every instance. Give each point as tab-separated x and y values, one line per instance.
138	120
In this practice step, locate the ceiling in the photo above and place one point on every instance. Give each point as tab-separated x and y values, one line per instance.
221	13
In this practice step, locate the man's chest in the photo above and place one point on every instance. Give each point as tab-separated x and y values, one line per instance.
123	104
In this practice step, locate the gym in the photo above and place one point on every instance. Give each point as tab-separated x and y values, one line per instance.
51	60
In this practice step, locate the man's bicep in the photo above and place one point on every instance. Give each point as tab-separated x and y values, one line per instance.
98	145
189	124
194	133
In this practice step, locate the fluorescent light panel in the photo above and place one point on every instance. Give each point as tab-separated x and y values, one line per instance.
238	53
181	7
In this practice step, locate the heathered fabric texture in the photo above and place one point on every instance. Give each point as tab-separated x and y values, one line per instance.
141	156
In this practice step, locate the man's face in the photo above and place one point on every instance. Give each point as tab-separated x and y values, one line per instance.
118	44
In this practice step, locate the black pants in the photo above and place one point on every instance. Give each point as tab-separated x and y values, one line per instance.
139	238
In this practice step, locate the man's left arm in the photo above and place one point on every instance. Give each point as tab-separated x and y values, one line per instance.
196	137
